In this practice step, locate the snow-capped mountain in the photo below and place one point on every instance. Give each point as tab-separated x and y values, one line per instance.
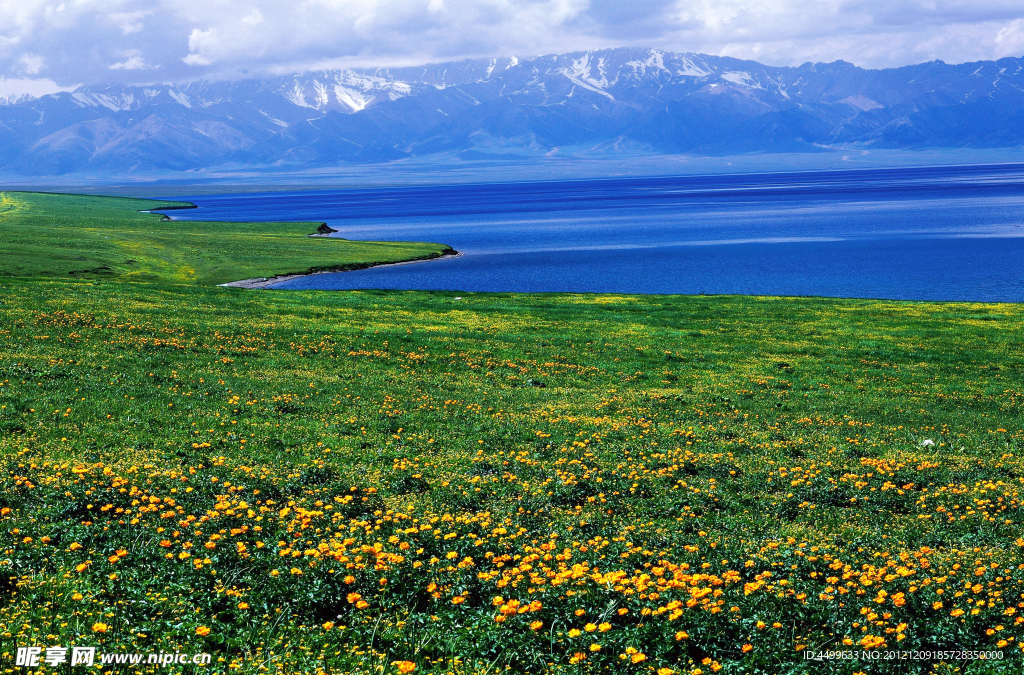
587	102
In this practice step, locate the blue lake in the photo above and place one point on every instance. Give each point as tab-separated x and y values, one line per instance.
954	233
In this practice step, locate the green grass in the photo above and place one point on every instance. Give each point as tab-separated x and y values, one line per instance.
70	235
689	483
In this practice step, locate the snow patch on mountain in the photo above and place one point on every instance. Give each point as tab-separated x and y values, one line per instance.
655	61
352	98
740	77
690	69
92	100
862	103
296	96
181	98
579	74
320	92
13	99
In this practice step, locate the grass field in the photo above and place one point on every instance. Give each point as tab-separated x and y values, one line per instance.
386	482
69	235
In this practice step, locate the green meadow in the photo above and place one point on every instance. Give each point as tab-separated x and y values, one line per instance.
68	236
395	482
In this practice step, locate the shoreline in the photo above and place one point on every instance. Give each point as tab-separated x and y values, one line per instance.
266	282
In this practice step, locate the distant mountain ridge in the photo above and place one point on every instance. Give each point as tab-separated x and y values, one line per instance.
597	102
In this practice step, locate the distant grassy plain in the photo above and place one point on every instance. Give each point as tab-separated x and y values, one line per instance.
384	482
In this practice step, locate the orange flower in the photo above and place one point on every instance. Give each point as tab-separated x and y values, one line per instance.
202	630
747	648
638	658
99	627
243	605
328	625
353	597
536	625
404	666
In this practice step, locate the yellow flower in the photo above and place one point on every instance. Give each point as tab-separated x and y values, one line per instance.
77	596
577	657
604	627
590	628
595	647
937	605
665	671
328	625
575	632
99	627
243	605
682	635
637	658
404	666
202	630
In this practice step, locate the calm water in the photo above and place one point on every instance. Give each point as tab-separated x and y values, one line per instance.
929	234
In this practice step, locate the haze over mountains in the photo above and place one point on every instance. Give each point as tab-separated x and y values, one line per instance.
585	103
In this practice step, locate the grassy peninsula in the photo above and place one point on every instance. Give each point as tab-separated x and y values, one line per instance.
57	235
394	482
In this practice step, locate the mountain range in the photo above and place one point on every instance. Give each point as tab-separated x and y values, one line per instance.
584	103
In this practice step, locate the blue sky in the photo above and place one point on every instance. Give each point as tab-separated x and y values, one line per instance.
47	44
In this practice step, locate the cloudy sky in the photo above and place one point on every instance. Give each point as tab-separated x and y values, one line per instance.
45	44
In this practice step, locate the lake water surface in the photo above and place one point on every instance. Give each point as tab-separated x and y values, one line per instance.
925	234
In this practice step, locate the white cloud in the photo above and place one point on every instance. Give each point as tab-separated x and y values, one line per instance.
12	88
78	39
133	61
31	63
129	22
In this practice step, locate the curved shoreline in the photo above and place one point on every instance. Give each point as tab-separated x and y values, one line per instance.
322	230
267	282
